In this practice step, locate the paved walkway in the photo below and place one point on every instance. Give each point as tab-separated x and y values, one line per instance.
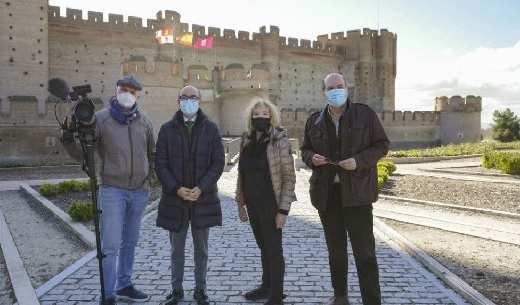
234	266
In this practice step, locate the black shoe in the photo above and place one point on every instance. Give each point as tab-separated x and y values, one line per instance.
201	297
258	294
131	294
174	297
108	302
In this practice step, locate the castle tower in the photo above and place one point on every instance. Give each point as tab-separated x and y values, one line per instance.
460	119
237	85
271	57
171	21
369	65
24	52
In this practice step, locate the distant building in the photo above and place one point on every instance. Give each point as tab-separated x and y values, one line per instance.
38	44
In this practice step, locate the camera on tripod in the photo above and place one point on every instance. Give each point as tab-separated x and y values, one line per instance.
82	112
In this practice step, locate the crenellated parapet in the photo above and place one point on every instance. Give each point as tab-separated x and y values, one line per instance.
74	18
409	118
237	77
306	46
457	103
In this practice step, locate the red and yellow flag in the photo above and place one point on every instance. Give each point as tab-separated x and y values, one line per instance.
186	39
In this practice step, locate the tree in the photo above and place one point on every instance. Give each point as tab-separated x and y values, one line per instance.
507	126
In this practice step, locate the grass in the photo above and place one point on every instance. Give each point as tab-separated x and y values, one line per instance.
456	149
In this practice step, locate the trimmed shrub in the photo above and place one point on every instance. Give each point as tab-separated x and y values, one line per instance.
384	169
506	162
80	210
49	190
390	166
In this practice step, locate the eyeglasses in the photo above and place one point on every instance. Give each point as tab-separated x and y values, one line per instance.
330	161
184	98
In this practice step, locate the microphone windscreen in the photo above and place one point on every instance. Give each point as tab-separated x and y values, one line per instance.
58	87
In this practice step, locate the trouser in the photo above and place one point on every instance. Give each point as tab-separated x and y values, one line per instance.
200	246
262	215
356	223
119	223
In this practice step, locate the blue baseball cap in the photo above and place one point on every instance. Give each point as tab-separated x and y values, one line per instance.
129	81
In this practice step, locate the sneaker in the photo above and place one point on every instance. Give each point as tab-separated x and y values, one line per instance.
201	297
174	297
258	294
108	302
132	294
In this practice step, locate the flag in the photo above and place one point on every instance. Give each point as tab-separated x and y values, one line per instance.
186	39
204	43
164	36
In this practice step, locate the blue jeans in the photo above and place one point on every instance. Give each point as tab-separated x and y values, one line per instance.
200	246
119	222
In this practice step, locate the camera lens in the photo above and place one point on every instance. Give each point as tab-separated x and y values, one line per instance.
84	112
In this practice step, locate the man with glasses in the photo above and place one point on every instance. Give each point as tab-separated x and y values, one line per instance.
342	144
189	161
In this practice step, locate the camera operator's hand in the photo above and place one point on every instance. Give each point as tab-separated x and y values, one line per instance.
67	123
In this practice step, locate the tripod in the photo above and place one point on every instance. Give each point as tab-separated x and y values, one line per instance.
87	137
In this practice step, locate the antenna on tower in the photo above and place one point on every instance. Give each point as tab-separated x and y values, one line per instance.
378	16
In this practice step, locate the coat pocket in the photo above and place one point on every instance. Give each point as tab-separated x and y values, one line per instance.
365	185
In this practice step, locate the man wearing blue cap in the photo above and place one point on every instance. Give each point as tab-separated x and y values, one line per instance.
126	147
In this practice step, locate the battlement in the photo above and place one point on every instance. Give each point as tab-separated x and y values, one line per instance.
457	103
365	33
237	77
74	17
304	45
409	118
326	44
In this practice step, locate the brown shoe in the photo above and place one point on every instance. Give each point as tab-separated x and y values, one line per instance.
342	300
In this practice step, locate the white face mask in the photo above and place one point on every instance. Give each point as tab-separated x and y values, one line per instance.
126	99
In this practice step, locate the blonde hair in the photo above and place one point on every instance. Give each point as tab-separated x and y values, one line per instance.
258	102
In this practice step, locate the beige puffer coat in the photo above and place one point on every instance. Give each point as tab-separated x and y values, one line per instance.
281	167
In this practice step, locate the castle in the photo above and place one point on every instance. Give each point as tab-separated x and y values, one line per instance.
38	44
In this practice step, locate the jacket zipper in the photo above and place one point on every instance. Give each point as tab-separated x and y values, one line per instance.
131	156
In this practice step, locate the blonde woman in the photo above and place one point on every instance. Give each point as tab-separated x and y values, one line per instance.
265	186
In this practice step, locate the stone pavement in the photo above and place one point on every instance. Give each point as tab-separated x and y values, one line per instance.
234	265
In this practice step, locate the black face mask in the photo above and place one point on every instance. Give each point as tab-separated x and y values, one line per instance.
260	124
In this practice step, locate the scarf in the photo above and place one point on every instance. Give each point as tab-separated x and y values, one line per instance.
121	115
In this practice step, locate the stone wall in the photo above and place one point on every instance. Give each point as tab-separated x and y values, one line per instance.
240	66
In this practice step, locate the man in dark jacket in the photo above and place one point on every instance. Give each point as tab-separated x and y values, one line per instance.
189	162
342	144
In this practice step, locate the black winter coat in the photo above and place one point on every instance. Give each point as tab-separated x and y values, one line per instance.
183	163
362	138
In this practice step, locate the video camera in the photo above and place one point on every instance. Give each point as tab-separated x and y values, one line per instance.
83	110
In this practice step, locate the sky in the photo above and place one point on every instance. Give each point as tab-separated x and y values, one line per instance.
444	47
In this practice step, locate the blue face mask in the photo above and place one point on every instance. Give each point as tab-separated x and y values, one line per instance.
336	97
189	107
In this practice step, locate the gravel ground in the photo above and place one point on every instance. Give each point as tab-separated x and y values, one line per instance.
494	196
490	267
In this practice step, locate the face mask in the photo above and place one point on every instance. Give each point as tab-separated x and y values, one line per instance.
260	124
126	99
336	97
189	107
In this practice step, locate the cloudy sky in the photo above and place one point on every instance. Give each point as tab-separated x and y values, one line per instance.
444	47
